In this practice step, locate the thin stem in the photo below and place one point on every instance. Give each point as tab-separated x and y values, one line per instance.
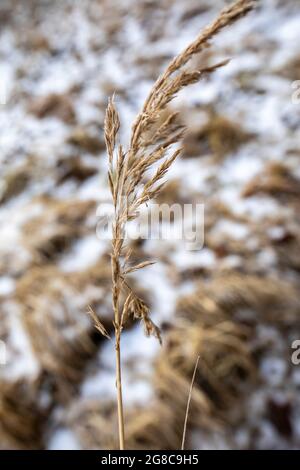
119	391
127	172
117	323
188	404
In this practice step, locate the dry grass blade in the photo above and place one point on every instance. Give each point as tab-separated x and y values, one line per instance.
128	170
188	404
98	325
111	128
142	265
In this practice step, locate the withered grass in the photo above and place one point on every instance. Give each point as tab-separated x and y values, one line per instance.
149	145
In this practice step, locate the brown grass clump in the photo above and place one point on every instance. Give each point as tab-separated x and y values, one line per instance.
129	167
224	364
213	321
74	169
268	297
218	137
170	193
209	323
83	139
221	344
53	314
35	41
291	70
14	183
287	249
156	427
56	316
150	66
50	234
276	181
194	10
21	416
57	105
92	421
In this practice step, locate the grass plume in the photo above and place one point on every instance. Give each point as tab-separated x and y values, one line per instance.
129	167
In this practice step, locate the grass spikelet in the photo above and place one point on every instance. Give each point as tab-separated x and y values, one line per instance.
98	325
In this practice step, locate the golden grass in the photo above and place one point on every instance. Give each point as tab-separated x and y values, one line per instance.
149	145
50	311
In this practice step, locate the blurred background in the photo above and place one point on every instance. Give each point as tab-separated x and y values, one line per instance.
235	302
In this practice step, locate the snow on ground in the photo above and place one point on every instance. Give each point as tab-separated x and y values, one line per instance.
89	55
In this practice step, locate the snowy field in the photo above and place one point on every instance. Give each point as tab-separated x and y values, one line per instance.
59	63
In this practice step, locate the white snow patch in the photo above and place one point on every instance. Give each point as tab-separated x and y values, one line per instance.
7	285
84	253
63	439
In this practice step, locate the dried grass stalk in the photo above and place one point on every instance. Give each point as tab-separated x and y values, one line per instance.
128	169
189	403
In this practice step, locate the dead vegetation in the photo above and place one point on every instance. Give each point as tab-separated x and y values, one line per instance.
128	167
219	319
232	292
35	41
51	309
50	234
276	181
218	137
15	183
170	193
287	248
83	139
57	105
22	417
73	168
291	70
225	366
